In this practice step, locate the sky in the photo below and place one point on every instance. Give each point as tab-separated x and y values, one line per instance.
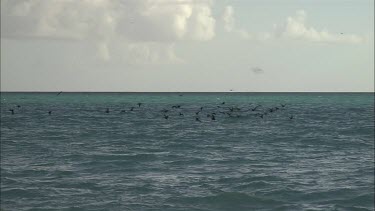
187	45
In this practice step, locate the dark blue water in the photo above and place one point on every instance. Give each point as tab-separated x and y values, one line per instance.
82	158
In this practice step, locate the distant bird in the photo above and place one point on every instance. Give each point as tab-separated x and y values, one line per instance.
291	117
166	116
165	110
181	114
59	93
341	33
12	111
49	112
261	116
222	103
107	110
201	108
255	108
139	104
197	112
257	70
197	119
283	105
213	117
132	108
18	106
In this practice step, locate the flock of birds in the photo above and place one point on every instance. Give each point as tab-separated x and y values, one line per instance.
211	112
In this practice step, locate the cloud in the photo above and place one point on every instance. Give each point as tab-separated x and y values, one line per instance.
137	24
296	28
229	23
228	18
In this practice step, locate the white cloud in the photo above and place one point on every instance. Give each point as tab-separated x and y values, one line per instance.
228	18
230	27
139	23
296	28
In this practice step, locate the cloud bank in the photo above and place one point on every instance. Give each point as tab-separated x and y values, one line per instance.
144	29
296	28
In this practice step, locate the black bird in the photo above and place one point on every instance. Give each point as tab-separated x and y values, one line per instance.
132	108
166	117
59	93
222	103
197	119
291	117
213	117
283	105
107	110
49	112
255	108
261	116
139	104
181	114
11	110
201	108
18	106
197	112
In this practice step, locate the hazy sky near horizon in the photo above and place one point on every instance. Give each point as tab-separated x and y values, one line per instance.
187	45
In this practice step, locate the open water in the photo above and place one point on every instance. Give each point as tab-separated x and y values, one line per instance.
315	153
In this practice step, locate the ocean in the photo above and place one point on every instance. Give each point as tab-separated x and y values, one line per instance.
187	151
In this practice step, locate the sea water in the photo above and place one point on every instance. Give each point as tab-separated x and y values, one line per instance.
314	152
